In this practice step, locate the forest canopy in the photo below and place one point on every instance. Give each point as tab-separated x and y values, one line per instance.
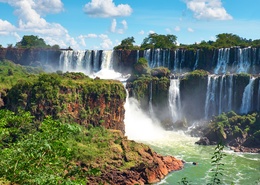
157	41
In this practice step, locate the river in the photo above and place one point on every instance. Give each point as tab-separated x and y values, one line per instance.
239	168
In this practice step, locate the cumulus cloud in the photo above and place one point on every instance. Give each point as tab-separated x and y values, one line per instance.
106	42
113	27
6	27
29	14
107	8
48	6
208	9
190	30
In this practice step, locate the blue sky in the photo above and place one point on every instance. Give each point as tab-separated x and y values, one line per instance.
102	24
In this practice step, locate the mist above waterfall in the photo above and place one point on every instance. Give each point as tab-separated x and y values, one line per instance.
139	125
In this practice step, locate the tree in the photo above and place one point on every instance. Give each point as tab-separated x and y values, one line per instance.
155	40
127	43
228	40
56	47
31	41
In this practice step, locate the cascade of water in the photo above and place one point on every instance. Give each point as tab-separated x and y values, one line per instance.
259	96
230	92
254	55
247	100
221	97
78	64
137	55
223	59
96	60
197	59
244	60
164	58
174	99
66	60
169	59
210	96
87	59
147	54
182	60
107	60
176	60
151	99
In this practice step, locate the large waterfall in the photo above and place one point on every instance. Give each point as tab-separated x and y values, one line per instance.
219	96
175	100
248	97
222	93
218	61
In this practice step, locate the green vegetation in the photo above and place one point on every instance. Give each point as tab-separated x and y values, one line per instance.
229	126
141	67
32	41
155	40
52	152
11	73
126	44
217	165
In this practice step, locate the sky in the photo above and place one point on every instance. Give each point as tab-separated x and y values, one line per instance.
103	24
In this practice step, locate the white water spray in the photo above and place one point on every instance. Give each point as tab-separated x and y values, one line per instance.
247	97
175	100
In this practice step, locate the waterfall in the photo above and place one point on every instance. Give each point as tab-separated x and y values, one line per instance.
137	55
247	100
230	92
219	95
176	60
221	98
88	66
175	100
197	59
223	59
107	60
258	96
243	60
138	125
210	96
96	57
151	99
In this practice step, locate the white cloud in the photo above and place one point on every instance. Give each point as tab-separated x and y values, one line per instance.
30	20
151	32
141	32
190	30
113	27
106	42
107	8
48	6
208	9
6	27
124	23
177	28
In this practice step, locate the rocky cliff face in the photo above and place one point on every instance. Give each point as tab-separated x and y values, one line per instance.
85	101
146	166
152	93
46	58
